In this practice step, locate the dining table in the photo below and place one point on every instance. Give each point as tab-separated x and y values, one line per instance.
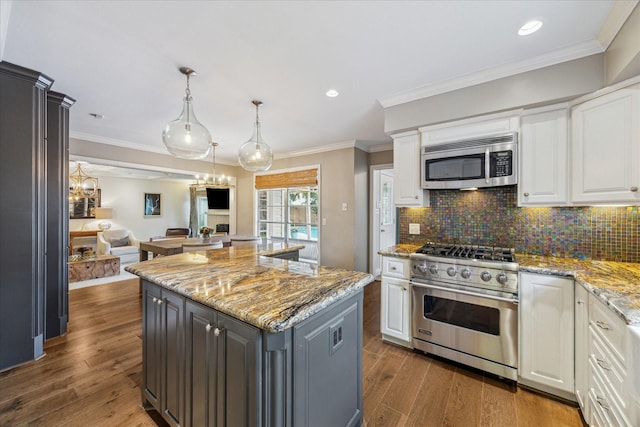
172	246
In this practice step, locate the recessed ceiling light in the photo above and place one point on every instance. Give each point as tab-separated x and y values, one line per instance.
530	27
332	93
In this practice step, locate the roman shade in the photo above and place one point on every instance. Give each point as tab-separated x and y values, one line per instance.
301	178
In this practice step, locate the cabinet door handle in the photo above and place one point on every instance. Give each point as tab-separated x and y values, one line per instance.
602	402
416	197
602	325
155	299
526	194
634	189
208	327
603	364
217	331
159	301
580	302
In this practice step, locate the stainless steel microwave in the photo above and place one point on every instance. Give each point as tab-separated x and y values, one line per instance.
481	162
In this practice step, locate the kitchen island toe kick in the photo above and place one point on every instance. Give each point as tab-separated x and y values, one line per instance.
252	342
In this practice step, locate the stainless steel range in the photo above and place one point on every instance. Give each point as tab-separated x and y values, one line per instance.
465	305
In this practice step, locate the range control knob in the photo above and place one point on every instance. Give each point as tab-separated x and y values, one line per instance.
485	276
451	271
465	273
502	278
422	268
433	269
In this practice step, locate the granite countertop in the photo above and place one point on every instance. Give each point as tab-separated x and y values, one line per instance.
616	284
402	250
245	282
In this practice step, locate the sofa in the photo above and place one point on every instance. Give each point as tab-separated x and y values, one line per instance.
120	243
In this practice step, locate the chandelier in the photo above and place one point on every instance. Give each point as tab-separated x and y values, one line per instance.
255	154
185	137
213	179
82	185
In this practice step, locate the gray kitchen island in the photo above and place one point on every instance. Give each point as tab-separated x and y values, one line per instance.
239	336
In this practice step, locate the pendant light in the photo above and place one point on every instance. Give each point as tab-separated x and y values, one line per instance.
255	155
186	137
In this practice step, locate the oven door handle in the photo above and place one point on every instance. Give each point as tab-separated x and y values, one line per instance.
473	294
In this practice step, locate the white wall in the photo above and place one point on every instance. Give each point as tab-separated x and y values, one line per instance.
126	198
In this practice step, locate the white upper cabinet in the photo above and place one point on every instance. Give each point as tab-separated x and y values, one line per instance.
543	157
605	151
407	190
460	130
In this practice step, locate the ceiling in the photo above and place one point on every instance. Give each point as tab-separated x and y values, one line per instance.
120	60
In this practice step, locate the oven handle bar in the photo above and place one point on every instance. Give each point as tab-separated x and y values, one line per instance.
474	294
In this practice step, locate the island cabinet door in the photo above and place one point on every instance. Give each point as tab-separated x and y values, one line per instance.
201	354
151	347
163	352
239	366
172	376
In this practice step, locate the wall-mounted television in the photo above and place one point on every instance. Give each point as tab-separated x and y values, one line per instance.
218	198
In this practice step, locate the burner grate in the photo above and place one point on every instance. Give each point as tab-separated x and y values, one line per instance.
486	253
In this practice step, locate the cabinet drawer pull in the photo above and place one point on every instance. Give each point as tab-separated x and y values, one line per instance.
634	189
208	327
603	364
526	194
603	325
603	402
580	302
392	268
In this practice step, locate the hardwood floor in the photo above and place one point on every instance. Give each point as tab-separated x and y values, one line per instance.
92	376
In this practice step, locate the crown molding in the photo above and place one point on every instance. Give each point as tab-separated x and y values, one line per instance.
555	57
316	150
615	20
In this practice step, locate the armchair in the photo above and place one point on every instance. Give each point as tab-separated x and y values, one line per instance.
120	243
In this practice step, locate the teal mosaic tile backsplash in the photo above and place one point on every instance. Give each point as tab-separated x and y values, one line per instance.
490	216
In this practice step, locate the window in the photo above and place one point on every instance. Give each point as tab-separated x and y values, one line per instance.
287	209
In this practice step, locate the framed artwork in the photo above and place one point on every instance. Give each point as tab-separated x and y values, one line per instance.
84	207
152	204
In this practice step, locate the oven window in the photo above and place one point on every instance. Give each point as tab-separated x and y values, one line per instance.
455	168
465	315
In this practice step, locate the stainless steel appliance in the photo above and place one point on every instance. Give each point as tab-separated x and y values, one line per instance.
465	305
482	162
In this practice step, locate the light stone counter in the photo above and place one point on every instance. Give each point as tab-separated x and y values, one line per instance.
246	282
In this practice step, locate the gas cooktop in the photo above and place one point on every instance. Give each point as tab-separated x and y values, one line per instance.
485	253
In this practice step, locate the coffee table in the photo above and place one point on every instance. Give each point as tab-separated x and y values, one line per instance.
93	268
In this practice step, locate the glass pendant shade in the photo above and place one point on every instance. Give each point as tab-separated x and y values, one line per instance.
186	137
255	155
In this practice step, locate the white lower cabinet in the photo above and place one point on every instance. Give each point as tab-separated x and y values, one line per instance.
546	334
609	384
395	301
582	349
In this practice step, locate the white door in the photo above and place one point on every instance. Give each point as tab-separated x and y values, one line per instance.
387	210
383	217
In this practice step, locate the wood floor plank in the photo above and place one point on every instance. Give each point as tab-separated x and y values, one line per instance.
384	416
463	406
498	407
433	395
403	390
